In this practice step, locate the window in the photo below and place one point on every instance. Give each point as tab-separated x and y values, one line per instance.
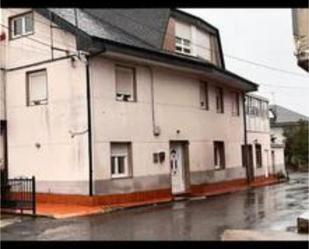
219	155
120	160
125	83
219	100
204	95
258	154
21	25
37	87
183	46
235	104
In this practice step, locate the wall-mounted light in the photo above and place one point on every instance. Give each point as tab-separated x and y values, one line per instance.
73	61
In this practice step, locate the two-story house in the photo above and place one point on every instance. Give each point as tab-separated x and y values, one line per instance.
120	102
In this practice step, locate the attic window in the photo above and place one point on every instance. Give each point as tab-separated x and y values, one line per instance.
125	84
21	25
183	46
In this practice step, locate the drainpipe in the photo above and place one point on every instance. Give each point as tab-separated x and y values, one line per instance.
248	171
155	129
89	126
89	118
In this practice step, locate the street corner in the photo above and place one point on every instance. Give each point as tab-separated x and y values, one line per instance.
261	235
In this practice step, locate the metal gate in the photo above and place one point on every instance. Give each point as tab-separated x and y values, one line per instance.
19	194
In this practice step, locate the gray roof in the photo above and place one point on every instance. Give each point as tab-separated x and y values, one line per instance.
148	25
98	27
284	115
138	30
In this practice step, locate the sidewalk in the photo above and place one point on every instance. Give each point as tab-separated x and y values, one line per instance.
61	211
65	210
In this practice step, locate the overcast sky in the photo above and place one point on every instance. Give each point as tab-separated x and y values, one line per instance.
264	36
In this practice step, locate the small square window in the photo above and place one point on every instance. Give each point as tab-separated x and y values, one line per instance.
183	46
37	88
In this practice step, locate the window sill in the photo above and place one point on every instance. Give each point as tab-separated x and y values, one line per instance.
219	169
30	105
121	177
20	36
126	101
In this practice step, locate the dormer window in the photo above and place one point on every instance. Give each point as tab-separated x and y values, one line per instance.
21	25
183	46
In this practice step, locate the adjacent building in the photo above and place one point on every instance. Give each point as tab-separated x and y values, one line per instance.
282	118
300	19
112	102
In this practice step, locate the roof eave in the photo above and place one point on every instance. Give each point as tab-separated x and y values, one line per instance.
244	84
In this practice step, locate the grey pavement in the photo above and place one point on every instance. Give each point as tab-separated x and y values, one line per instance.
273	208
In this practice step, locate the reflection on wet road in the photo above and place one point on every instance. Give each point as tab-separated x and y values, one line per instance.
273	207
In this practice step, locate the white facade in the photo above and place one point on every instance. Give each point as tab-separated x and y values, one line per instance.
50	140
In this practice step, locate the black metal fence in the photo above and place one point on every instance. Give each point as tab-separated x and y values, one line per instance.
19	194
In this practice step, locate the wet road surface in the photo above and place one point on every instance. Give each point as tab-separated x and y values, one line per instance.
273	207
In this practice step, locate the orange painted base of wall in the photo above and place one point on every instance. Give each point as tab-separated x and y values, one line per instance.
154	195
104	199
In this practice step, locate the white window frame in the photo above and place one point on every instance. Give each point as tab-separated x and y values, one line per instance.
115	156
23	25
30	101
181	44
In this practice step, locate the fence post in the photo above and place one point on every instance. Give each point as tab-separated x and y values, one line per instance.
33	196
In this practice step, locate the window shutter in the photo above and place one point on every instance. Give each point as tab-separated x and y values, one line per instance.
119	149
28	23
183	30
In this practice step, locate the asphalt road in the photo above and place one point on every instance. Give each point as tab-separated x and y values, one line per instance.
273	207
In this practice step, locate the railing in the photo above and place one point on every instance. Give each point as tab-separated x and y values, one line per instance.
19	194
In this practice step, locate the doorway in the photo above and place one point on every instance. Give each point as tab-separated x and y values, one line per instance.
179	163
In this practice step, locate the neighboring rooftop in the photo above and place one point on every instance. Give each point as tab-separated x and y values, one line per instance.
256	96
286	116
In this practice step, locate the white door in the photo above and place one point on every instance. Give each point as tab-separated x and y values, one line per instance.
177	161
